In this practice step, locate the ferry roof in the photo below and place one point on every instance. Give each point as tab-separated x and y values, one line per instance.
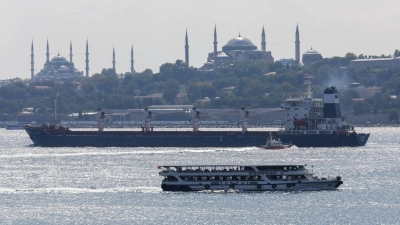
231	165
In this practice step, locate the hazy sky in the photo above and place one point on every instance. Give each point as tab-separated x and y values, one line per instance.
156	29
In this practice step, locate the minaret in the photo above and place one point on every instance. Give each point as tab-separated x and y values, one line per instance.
263	40
297	56
186	49
132	68
32	63
87	58
70	51
47	53
215	48
113	62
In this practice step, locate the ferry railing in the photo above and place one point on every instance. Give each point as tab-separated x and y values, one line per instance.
209	171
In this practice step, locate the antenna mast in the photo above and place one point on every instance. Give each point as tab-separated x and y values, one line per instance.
308	82
55	109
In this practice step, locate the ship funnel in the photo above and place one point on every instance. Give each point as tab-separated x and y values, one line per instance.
331	103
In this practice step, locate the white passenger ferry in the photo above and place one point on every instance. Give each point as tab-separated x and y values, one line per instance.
244	178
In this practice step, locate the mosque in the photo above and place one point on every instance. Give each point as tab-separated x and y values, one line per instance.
60	69
242	49
236	49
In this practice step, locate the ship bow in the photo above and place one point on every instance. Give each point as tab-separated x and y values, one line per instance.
362	138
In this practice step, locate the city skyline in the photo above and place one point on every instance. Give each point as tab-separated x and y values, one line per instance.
158	35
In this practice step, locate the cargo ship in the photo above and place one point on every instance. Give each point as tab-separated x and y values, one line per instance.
309	123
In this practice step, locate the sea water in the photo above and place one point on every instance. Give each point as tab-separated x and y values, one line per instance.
122	186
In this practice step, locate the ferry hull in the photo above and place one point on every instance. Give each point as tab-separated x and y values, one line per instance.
287	186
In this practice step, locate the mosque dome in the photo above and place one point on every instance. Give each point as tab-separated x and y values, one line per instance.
222	55
59	58
239	43
63	69
311	51
311	56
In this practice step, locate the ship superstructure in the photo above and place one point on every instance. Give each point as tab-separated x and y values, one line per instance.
318	119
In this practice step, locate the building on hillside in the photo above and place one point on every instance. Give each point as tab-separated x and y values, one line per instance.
9	81
378	62
236	49
311	56
286	61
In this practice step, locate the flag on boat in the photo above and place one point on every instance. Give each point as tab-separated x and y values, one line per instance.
159	167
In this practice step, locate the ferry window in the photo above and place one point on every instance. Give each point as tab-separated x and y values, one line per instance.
263	167
335	96
248	168
172	178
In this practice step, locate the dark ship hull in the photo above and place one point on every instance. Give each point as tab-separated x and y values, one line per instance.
46	137
351	139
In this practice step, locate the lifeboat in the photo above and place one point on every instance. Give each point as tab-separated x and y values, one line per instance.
300	122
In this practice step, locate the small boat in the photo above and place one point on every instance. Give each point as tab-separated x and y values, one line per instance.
274	144
244	178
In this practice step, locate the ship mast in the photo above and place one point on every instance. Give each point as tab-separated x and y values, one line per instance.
195	120
244	115
308	82
55	110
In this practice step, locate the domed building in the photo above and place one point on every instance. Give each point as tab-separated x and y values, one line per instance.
237	49
311	56
58	68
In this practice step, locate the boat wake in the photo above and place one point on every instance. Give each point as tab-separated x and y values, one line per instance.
110	152
90	189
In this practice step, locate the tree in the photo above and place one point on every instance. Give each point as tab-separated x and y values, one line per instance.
207	90
193	92
108	72
396	53
171	89
346	97
361	108
87	88
393	115
350	56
